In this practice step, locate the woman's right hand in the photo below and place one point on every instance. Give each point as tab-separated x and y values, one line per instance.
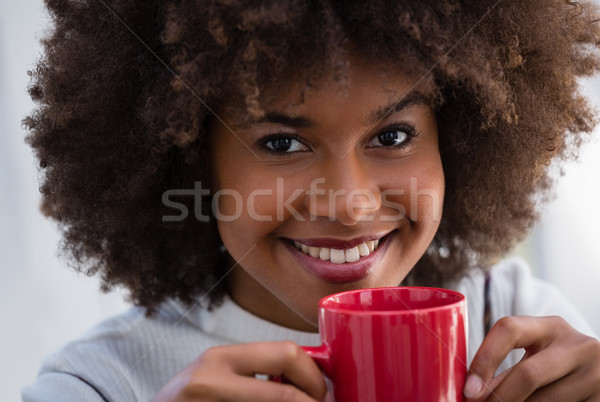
227	373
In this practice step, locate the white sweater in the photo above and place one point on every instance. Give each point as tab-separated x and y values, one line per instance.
130	357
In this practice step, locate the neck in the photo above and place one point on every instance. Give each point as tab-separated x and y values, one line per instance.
249	294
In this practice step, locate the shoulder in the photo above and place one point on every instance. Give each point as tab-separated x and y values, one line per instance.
127	357
509	289
515	291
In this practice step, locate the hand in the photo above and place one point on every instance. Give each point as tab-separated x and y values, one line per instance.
560	364
226	373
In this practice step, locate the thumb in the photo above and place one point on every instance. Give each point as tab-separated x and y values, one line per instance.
476	390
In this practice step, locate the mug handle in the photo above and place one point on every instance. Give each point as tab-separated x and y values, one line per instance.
322	356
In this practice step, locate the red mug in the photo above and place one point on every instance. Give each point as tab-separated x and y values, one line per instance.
393	344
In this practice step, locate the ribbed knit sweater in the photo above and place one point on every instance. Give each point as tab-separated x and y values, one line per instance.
130	357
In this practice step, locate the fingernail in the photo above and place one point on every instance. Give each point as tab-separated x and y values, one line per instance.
473	386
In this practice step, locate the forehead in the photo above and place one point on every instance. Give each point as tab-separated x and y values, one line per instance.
365	88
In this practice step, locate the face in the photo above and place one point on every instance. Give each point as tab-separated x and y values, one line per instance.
341	191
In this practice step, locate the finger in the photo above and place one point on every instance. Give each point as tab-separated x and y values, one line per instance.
507	334
571	388
489	388
276	358
581	384
248	389
535	372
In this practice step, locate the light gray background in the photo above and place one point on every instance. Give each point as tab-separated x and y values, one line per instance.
43	304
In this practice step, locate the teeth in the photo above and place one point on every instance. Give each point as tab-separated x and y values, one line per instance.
352	255
372	245
337	256
363	249
324	253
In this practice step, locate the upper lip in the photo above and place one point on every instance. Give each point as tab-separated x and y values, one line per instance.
341	244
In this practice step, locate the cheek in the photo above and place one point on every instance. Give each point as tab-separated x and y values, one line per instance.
417	194
250	209
227	205
264	198
427	197
235	186
239	225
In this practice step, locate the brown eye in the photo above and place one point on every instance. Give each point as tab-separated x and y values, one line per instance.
283	144
389	138
280	144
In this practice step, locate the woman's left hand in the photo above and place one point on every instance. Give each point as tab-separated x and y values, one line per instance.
560	364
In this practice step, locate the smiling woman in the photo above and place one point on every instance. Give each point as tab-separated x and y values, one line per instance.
486	88
332	146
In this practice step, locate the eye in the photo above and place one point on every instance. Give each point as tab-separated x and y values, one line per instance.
283	144
395	136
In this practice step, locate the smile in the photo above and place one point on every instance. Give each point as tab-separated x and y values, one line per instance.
340	261
339	256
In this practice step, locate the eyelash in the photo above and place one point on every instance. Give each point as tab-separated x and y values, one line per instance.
262	143
409	130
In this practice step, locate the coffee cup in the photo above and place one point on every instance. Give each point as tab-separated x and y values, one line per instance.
393	344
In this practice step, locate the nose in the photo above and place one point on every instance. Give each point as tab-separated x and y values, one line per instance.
344	191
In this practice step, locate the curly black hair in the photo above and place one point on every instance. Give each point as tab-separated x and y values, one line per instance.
126	91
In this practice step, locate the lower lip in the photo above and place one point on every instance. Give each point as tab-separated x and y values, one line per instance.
341	273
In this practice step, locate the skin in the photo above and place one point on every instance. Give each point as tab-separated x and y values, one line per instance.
269	282
560	364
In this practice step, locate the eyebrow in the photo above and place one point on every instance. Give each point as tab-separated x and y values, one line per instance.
411	99
279	118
